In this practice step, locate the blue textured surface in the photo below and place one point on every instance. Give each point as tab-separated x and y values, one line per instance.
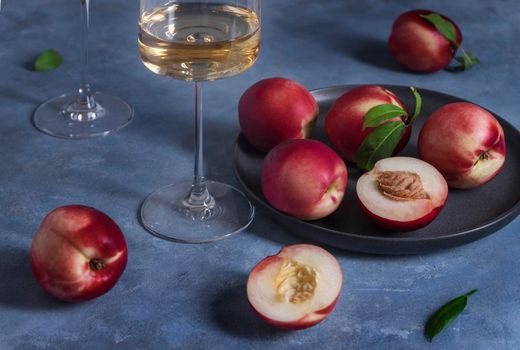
193	296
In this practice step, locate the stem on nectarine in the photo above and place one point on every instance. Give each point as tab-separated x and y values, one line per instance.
483	156
97	264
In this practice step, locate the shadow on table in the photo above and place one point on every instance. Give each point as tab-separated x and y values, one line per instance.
20	96
271	230
19	288
29	64
374	51
334	36
233	314
267	228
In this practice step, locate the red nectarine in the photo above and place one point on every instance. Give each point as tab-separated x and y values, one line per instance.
465	143
418	45
275	110
304	178
78	253
344	123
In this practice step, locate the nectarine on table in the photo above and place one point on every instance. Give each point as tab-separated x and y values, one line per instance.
418	45
296	288
78	253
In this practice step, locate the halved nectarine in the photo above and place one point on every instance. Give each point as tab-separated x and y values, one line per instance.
402	193
296	288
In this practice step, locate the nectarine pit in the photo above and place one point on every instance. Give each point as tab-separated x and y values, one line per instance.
401	185
97	264
295	282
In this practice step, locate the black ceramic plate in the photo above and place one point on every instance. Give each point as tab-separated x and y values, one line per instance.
467	216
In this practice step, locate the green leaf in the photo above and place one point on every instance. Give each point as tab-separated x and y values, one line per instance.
447	29
443	26
446	315
379	144
48	60
468	59
381	113
418	105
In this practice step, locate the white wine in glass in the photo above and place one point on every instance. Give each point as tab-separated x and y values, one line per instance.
198	41
227	45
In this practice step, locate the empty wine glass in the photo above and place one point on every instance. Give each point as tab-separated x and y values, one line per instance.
82	113
198	41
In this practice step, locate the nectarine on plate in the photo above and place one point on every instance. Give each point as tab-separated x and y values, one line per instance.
467	215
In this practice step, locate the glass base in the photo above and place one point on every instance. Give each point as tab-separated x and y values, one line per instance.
164	213
63	117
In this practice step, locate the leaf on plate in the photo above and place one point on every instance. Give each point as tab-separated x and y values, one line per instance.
418	105
381	113
379	144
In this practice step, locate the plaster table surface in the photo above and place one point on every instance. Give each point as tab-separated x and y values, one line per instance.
193	296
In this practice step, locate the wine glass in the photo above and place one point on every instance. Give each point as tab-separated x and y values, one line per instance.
198	41
82	113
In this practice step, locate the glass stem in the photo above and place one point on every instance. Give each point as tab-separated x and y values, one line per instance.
199	197
198	178
85	97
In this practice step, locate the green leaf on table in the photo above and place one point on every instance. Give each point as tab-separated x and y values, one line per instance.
446	315
468	60
47	61
418	105
443	26
379	144
381	113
